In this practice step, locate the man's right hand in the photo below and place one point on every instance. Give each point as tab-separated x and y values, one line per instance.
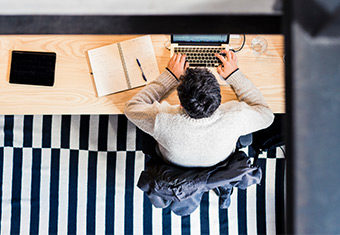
229	63
177	65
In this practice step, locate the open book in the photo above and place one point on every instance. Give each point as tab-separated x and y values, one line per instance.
115	68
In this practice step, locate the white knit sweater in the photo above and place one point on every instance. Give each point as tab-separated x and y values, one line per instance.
190	142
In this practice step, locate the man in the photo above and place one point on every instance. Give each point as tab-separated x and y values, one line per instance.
200	132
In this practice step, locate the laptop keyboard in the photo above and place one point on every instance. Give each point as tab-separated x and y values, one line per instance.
200	56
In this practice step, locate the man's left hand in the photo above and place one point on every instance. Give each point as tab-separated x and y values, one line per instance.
177	65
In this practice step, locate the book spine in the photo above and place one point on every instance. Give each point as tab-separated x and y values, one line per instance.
124	65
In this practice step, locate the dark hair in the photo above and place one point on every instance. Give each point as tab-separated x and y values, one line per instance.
199	93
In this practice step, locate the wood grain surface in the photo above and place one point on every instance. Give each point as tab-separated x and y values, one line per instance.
74	90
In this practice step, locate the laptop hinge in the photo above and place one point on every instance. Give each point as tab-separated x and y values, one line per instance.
198	44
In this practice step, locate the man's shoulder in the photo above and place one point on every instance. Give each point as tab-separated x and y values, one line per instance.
166	108
231	106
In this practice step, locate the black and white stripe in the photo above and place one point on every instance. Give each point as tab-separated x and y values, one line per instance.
77	174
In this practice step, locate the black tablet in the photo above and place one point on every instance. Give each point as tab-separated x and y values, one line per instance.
32	68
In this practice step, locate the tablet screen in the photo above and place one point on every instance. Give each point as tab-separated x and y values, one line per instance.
32	68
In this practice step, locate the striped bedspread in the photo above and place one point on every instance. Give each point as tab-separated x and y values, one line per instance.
77	175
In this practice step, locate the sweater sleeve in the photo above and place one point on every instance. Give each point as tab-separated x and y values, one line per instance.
255	113
143	108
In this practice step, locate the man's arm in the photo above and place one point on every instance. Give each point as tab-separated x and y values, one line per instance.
143	108
255	113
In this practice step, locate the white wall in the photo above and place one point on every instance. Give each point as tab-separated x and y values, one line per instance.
135	6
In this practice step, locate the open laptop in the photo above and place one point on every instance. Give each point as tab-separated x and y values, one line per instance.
200	49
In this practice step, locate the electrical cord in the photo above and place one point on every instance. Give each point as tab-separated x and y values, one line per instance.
239	49
284	152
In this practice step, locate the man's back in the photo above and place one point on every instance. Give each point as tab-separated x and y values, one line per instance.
197	142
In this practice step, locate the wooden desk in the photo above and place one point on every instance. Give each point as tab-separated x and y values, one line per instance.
74	89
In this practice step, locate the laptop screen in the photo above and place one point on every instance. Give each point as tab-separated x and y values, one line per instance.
200	38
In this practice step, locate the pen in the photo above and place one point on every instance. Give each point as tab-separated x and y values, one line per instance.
140	66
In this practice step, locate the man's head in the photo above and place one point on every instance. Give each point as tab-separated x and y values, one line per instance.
199	93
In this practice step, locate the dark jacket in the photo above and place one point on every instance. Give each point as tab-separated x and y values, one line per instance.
182	188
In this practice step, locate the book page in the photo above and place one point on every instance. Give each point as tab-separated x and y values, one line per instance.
107	70
142	49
